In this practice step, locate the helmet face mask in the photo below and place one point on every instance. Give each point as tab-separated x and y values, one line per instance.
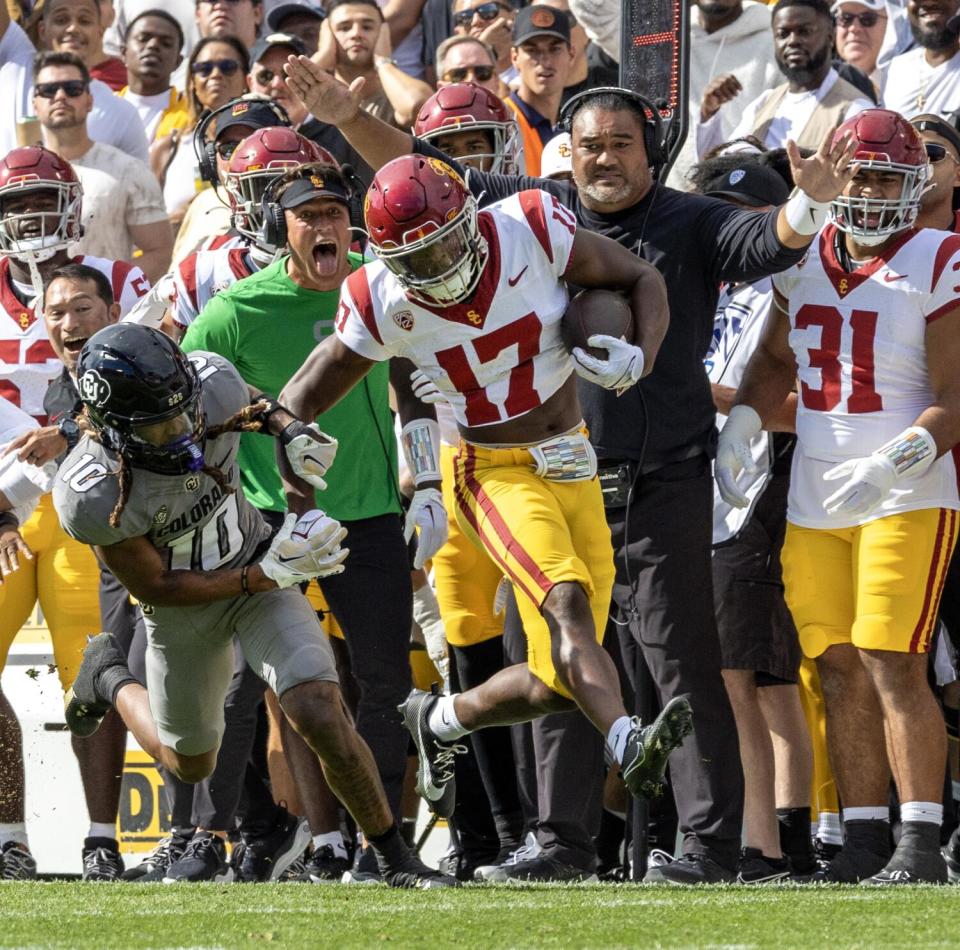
171	447
500	160
37	231
886	145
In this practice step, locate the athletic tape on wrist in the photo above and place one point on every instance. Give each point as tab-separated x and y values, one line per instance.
912	452
421	448
805	215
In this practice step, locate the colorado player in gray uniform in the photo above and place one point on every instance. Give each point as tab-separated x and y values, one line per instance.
153	485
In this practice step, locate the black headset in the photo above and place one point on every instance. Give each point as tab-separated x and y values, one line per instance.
653	130
273	229
206	151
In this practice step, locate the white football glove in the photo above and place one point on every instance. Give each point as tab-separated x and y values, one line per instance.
289	561
310	451
427	513
426	613
425	389
734	455
149	310
622	368
868	482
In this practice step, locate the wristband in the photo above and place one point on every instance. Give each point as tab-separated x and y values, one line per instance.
291	431
805	215
421	443
912	452
9	520
244	584
270	406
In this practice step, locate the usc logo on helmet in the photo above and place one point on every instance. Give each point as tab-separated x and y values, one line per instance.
444	170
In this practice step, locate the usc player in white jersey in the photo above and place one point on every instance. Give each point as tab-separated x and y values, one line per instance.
475	301
40	206
869	327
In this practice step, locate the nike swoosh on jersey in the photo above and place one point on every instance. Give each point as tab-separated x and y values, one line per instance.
512	281
889	278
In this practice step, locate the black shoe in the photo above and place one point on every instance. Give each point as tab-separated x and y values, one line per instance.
413	873
266	856
917	858
325	866
364	870
296	869
17	863
203	859
155	865
101	860
865	852
755	867
546	868
435	771
951	855
498	873
86	704
649	747
690	869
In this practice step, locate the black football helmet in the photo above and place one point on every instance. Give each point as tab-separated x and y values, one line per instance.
143	396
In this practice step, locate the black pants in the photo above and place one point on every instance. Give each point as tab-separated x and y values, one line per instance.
372	601
663	552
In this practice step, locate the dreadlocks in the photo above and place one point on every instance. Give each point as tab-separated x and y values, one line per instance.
246	420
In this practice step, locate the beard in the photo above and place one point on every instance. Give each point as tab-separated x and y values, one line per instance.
805	74
936	40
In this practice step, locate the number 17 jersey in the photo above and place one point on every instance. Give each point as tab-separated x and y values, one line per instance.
859	337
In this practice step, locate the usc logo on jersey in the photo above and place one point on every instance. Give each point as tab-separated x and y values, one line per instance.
25	320
474	317
843	286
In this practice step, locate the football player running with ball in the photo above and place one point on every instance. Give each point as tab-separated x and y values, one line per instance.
153	485
475	300
869	324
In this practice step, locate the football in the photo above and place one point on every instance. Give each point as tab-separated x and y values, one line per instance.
596	311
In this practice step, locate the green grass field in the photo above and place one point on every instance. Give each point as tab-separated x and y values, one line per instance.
99	916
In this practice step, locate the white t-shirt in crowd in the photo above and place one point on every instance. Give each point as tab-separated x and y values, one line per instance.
150	109
913	87
118	192
183	10
15	47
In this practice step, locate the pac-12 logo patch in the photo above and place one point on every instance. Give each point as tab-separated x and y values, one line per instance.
404	320
161	516
94	388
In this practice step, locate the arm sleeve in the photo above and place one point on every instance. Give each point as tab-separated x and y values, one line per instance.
356	322
742	245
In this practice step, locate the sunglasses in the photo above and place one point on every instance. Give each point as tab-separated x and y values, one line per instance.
476	74
486	11
866	20
227	67
264	76
226	149
72	87
937	153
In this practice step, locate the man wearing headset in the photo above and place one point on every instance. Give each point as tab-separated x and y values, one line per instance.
655	442
266	325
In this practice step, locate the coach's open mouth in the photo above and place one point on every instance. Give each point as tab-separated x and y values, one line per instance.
74	346
325	257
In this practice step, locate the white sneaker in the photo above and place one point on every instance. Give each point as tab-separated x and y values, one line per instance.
497	873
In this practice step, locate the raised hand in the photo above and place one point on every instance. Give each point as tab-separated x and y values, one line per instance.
719	90
826	173
324	96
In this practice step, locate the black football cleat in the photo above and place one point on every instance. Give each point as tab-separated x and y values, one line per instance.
865	853
916	860
435	768
85	703
413	873
268	854
649	748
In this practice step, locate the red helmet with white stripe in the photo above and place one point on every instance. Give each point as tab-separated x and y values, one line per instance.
260	158
50	219
464	107
885	142
422	223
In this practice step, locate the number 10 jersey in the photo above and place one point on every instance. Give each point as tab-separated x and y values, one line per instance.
859	337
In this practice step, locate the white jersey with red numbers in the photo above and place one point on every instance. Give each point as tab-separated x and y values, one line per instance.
500	354
27	361
859	339
200	276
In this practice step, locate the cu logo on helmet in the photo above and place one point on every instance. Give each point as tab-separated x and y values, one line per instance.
94	388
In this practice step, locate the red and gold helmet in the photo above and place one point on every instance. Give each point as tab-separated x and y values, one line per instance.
260	158
39	232
886	142
462	107
422	223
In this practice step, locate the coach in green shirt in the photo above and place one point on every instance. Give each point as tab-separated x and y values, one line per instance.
267	325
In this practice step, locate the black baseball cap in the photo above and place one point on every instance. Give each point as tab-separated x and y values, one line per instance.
267	42
539	20
750	184
933	123
280	12
254	112
313	186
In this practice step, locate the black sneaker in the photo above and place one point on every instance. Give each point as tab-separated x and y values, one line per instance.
101	860
85	702
916	860
413	873
544	868
155	865
755	867
865	852
296	870
649	747
364	870
265	857
499	872
17	863
435	771
325	866
951	855
203	859
689	869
